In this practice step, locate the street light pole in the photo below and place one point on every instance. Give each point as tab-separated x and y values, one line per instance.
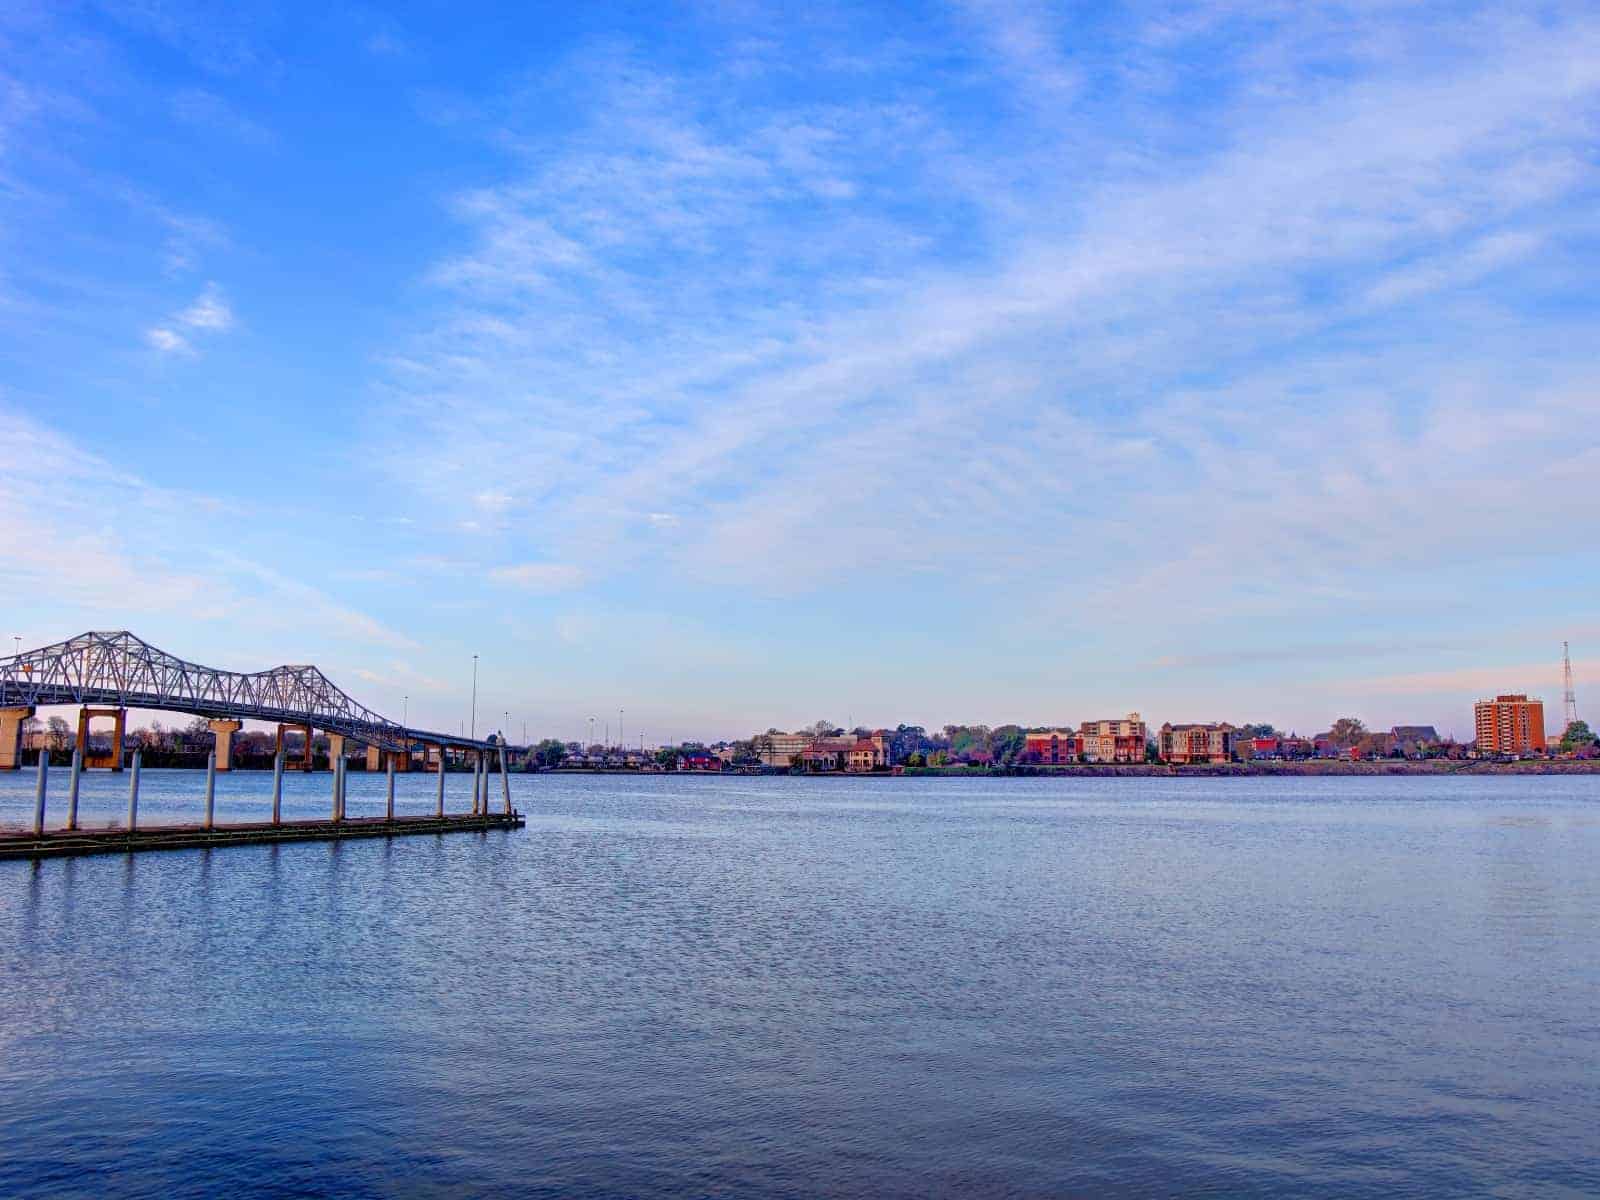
474	697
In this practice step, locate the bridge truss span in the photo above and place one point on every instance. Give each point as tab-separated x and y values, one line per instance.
122	670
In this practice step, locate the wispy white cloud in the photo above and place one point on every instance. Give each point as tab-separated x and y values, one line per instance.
540	577
209	314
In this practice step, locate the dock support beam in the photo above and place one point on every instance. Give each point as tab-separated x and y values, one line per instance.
389	808
39	791
338	787
223	732
133	793
11	722
505	780
277	788
211	789
72	788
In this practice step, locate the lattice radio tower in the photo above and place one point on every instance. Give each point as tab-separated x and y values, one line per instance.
1569	698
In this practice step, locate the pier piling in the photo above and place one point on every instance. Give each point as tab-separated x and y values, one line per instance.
133	794
39	791
211	789
277	788
389	807
505	779
72	787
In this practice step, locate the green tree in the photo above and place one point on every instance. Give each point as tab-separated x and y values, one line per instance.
1007	743
1347	731
1577	735
549	753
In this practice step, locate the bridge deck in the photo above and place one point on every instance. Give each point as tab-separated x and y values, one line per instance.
56	842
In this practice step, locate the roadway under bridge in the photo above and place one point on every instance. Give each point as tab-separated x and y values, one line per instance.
106	674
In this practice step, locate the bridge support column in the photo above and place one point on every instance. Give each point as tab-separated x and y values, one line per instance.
119	719
375	757
11	721
305	755
223	731
401	760
335	750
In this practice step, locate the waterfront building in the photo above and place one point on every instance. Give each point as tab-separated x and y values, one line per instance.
1414	741
1510	724
780	749
870	753
1114	741
1198	743
1053	747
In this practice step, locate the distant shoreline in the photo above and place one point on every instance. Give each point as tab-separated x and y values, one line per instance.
1312	767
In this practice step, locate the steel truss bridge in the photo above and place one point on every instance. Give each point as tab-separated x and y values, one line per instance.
121	670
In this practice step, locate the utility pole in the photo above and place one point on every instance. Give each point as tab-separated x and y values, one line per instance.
474	696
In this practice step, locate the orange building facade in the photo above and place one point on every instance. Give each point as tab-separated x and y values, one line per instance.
1510	724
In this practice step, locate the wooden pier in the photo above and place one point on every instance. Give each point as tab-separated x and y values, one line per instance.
57	842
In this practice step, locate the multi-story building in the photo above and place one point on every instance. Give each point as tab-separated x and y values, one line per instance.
781	749
1114	741
1198	743
1053	747
1510	724
870	753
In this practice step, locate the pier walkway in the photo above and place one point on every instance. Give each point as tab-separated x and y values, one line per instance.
117	840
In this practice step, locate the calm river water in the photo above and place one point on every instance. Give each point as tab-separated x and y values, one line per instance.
775	987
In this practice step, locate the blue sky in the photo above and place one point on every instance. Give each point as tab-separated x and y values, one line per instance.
738	367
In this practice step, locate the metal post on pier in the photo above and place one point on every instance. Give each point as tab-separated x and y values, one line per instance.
72	791
39	791
133	794
277	787
211	789
483	784
505	779
338	787
441	781
389	809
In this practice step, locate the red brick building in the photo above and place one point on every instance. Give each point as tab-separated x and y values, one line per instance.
1510	724
1053	747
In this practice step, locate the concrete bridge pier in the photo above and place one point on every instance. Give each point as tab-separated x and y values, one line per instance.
11	720
375	757
335	750
119	718
223	732
304	763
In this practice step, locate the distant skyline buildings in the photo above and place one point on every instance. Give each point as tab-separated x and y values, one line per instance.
704	369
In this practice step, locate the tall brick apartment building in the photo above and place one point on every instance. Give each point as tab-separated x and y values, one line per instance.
1510	724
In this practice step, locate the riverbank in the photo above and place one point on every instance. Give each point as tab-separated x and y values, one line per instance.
1315	767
